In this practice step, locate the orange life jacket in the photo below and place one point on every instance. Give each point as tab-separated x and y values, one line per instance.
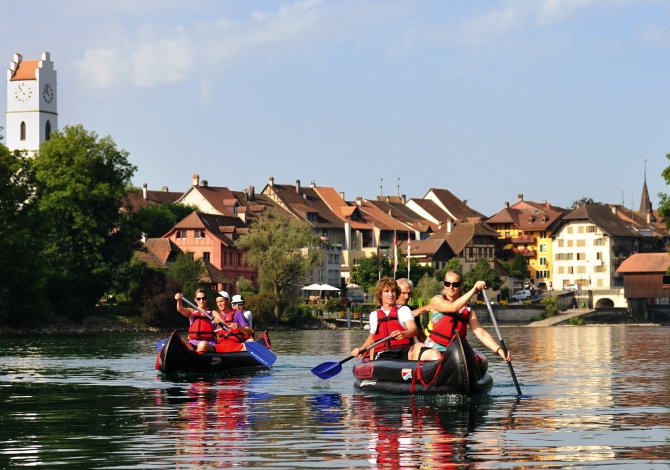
201	327
443	330
235	335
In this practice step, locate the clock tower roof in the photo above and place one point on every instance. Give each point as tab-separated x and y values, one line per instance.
26	70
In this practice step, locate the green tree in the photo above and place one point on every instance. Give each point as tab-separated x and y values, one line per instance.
664	199
187	272
366	274
550	306
452	265
283	251
585	200
428	287
519	267
155	220
82	181
482	272
21	274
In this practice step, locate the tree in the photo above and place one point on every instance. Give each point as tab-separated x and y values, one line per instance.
186	272
82	181
155	220
283	251
519	268
664	199
482	272
367	273
585	200
452	265
21	276
428	287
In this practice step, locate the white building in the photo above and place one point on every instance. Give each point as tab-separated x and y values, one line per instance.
32	100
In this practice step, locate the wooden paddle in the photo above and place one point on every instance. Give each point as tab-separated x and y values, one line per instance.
330	369
502	343
256	350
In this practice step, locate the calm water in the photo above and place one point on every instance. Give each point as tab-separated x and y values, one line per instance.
596	396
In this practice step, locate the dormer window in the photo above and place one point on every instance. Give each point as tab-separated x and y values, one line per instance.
543	219
530	219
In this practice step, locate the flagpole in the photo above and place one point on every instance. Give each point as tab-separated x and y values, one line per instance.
408	257
395	255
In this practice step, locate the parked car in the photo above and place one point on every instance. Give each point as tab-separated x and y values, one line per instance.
523	294
356	299
570	287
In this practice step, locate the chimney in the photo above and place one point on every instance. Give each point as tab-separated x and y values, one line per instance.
404	199
252	193
450	225
312	184
649	217
144	191
246	195
519	197
272	181
388	198
359	200
342	195
506	205
297	186
196	180
203	183
614	210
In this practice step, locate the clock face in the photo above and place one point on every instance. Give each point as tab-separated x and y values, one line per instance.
48	93
23	92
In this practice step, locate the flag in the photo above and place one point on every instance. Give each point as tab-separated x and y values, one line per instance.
395	253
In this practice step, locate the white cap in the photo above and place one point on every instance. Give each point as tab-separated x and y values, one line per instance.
237	299
223	293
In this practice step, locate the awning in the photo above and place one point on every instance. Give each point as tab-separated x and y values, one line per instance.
508	246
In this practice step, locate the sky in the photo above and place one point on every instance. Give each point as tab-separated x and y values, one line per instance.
553	99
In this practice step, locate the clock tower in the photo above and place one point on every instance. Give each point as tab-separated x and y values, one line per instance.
31	103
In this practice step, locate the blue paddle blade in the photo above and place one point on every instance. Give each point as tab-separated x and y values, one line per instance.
160	344
327	370
261	353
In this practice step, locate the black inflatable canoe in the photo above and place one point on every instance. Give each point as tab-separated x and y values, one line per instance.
175	357
461	371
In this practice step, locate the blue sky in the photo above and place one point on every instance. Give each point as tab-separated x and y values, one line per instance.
555	99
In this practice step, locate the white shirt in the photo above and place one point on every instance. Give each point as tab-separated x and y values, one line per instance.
250	318
404	314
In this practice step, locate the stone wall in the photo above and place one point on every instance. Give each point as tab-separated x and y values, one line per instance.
510	314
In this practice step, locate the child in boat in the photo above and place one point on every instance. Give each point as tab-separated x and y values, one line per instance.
452	316
390	320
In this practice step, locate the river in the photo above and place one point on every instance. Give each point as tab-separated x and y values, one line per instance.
593	396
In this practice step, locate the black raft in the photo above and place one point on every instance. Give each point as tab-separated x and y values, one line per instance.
176	357
461	371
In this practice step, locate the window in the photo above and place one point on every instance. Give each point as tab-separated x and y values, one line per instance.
205	256
581	269
543	261
581	242
22	130
559	243
580	229
599	255
181	234
199	234
47	130
569	230
543	247
591	229
599	242
571	270
569	243
560	256
561	270
599	269
568	256
581	256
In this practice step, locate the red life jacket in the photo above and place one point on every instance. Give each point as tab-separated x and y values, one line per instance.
387	324
201	327
235	335
443	330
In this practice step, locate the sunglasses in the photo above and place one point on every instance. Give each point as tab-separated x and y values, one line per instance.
201	298
455	285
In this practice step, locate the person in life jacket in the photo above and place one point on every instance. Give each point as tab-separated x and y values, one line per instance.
389	320
237	331
238	304
201	335
451	316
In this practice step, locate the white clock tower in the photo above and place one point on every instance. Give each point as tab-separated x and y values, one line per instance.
31	103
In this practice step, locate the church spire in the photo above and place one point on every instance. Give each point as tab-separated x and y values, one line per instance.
645	203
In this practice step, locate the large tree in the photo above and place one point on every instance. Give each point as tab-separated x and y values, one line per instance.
82	181
664	199
284	252
155	220
20	241
482	272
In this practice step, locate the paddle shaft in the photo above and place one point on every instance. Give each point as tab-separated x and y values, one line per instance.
376	343
191	304
502	342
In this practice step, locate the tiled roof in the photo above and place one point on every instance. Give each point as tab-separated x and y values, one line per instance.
645	263
162	197
26	70
307	198
529	216
403	214
457	208
381	219
214	275
429	246
226	228
464	232
432	208
161	248
602	217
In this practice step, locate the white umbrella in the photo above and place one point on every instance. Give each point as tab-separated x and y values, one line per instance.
320	288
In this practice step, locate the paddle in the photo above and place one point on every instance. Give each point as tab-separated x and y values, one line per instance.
330	369
502	343
257	351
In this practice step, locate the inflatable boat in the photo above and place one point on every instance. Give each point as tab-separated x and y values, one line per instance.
461	371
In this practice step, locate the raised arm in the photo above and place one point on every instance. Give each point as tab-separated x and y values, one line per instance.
185	311
439	304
